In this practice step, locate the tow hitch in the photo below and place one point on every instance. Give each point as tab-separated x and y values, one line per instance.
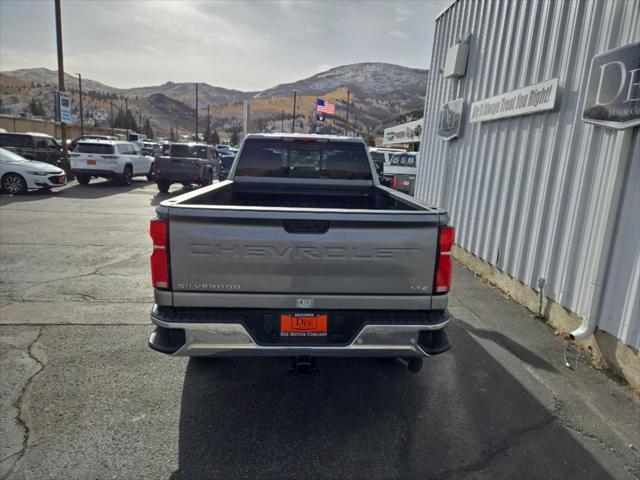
303	366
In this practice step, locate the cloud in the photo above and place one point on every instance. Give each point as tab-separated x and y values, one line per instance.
247	45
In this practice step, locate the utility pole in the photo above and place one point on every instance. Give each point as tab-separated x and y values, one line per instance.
81	107
63	127
348	102
293	123
126	114
196	111
111	117
282	122
140	121
208	123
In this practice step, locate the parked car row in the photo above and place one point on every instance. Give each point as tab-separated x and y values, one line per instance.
105	156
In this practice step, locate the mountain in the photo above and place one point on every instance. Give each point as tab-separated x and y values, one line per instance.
379	92
392	88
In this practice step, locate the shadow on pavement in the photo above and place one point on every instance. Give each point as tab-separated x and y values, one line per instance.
522	353
463	416
32	195
99	188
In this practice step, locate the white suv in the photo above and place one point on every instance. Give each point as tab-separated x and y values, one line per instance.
110	159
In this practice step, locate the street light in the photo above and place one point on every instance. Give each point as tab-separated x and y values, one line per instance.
126	114
81	108
348	102
293	123
63	126
196	112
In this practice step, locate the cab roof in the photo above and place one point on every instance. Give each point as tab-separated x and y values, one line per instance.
304	136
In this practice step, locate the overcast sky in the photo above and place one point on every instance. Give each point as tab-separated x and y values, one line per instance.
244	45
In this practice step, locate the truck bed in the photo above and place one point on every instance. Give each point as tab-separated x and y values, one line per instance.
292	239
302	195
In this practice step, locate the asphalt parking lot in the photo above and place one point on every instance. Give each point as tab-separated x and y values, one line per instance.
82	396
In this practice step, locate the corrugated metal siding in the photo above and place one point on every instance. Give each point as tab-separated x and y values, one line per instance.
524	193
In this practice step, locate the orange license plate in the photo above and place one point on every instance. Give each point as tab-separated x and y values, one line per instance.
91	162
303	325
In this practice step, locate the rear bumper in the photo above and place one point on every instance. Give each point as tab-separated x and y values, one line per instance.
178	177
190	333
95	172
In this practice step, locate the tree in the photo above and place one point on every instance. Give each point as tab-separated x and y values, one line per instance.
173	135
370	140
120	120
207	134
131	122
235	138
148	131
35	107
215	138
126	120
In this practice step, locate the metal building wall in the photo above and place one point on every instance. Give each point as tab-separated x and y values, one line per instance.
524	192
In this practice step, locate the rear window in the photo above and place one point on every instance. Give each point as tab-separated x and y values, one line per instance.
227	162
304	159
403	160
188	151
15	140
99	148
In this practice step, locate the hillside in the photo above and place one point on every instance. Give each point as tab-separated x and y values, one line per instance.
379	92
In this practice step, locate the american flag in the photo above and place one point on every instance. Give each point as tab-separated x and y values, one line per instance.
325	107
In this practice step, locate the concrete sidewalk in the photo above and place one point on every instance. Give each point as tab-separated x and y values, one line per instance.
82	396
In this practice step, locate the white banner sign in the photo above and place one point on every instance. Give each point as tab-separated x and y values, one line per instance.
531	99
406	133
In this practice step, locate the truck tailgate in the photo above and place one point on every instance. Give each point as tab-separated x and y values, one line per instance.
293	251
177	165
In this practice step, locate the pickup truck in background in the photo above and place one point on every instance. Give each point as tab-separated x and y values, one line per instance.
188	164
300	253
381	156
401	172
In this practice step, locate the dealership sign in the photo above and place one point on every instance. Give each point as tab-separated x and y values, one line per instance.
531	99
406	133
63	107
613	89
449	117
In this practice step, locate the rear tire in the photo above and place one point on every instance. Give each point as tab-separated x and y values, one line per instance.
163	186
151	176
83	179
208	179
14	184
127	176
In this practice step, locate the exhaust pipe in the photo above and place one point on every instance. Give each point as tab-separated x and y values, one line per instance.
303	366
413	364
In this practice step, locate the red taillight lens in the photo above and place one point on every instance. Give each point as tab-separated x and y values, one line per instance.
394	182
445	263
159	258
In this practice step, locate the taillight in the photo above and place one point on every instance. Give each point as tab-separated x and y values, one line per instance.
394	182
446	237
159	257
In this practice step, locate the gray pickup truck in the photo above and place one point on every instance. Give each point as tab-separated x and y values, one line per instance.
300	253
186	163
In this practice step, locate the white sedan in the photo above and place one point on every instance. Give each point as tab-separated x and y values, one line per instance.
18	175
